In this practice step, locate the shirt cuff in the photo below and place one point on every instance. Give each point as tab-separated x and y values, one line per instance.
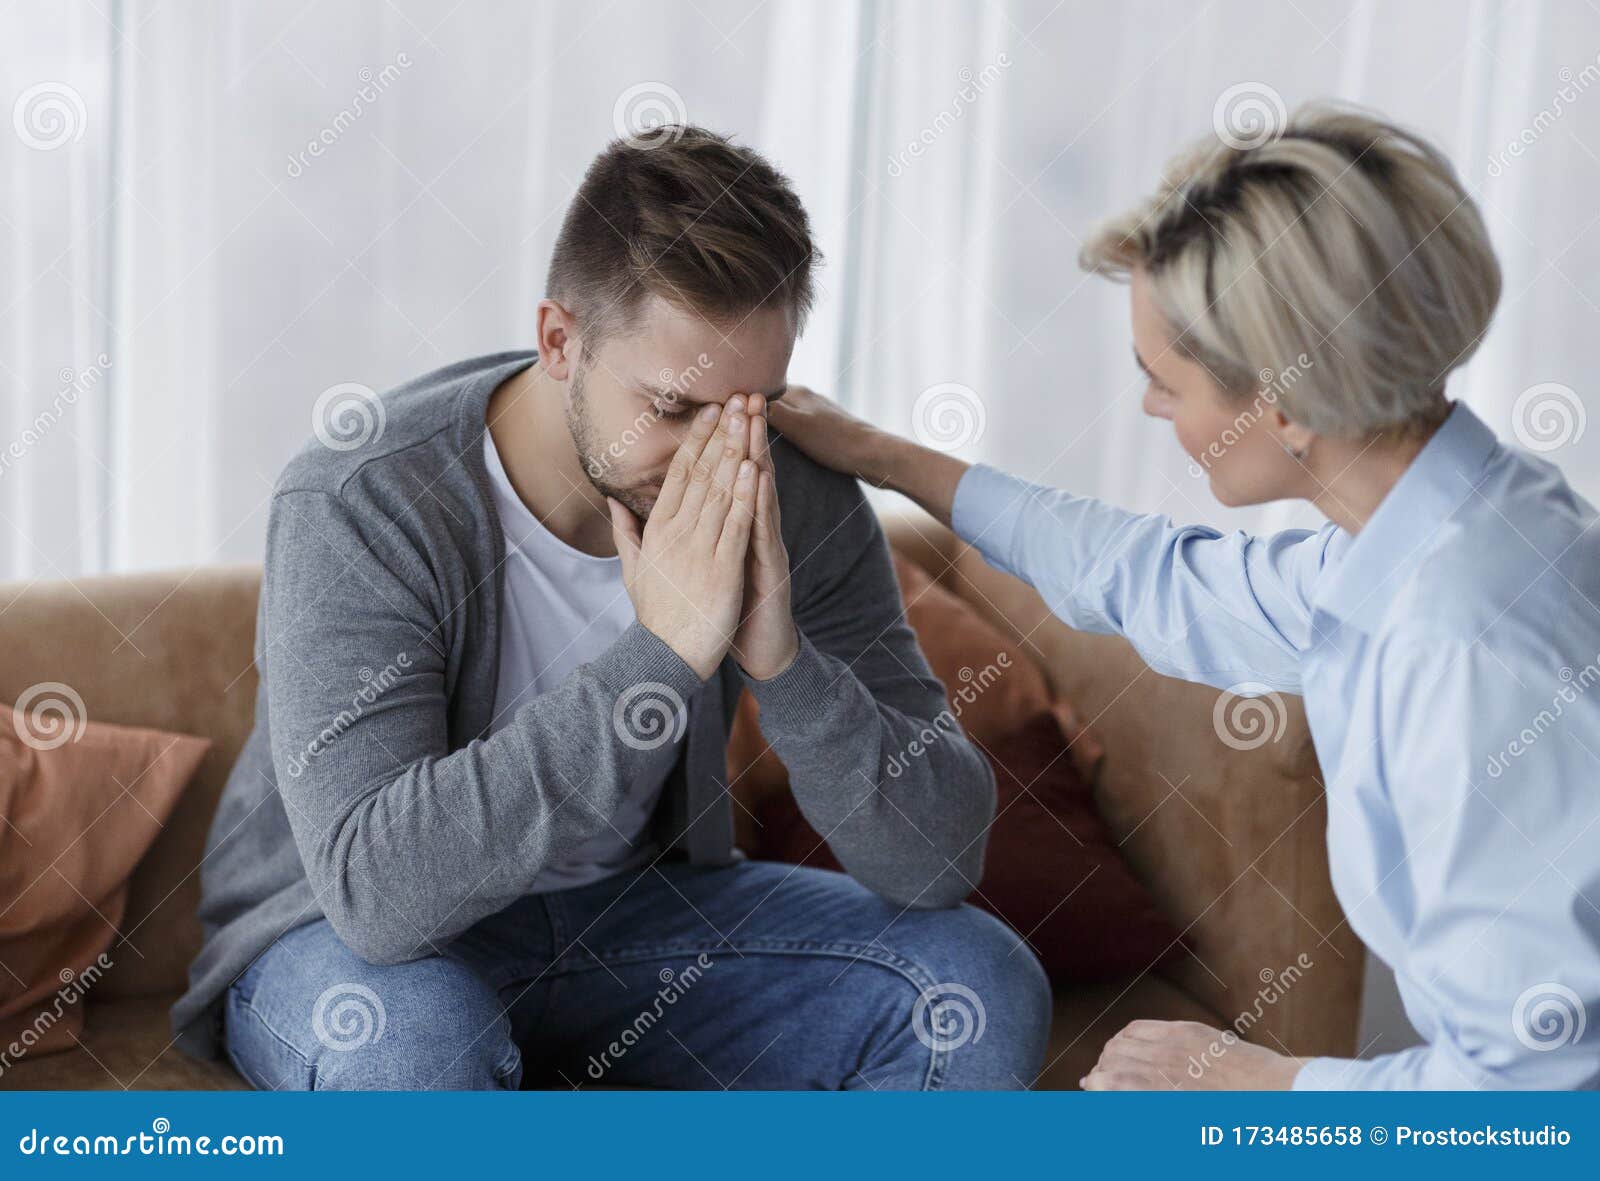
794	700
640	657
986	509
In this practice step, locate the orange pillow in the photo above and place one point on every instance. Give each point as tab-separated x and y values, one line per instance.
991	682
965	651
80	803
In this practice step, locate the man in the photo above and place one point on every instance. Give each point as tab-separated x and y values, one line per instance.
506	856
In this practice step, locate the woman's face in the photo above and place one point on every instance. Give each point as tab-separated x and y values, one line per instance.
1234	442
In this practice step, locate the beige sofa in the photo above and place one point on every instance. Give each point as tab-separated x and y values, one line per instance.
1230	842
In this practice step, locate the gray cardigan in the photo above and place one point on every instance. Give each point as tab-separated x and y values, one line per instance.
368	793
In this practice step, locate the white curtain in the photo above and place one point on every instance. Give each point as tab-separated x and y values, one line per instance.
254	203
55	318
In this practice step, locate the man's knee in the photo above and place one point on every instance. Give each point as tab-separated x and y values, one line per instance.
985	1002
428	1025
310	1013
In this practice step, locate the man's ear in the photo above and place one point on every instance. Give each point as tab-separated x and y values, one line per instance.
558	339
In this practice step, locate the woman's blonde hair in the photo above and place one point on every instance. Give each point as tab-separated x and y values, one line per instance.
1344	248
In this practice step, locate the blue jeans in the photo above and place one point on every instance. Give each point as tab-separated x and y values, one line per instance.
756	975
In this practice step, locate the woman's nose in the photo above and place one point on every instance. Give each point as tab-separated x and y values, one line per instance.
1155	404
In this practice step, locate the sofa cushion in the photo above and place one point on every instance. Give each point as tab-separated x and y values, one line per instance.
170	650
81	802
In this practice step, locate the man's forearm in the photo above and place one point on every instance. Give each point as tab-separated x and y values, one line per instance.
904	800
404	865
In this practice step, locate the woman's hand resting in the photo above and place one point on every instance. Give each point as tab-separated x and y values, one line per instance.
838	439
827	432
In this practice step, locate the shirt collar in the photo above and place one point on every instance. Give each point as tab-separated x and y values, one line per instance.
1376	562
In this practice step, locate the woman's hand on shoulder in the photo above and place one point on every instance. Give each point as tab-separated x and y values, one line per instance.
827	432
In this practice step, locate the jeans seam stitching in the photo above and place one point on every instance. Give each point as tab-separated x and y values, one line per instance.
280	1039
836	949
246	1073
913	973
513	1058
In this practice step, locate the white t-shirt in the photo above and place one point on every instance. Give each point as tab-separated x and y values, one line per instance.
562	608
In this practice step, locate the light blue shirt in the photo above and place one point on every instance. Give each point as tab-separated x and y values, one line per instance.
1449	656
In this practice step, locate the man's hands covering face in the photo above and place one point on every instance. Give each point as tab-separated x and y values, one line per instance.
709	573
766	642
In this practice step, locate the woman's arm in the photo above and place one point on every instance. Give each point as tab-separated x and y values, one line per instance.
927	476
1223	609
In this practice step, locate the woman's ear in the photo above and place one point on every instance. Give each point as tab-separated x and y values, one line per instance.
1291	436
558	339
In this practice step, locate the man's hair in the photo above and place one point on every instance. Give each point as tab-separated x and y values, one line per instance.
681	213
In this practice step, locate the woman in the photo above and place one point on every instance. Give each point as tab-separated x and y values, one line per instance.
1443	626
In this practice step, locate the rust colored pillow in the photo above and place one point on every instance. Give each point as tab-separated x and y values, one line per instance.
997	686
993	685
80	803
1051	871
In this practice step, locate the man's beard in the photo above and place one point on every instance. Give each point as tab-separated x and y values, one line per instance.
600	462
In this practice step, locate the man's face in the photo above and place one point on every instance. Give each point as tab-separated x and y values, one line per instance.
629	404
